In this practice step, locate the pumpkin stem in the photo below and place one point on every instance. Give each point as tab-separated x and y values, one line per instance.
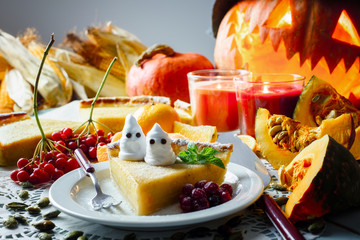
152	51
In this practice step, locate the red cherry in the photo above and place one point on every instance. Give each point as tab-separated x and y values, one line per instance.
225	196
61	155
49	156
13	175
102	139
101	144
83	147
22	162
72	164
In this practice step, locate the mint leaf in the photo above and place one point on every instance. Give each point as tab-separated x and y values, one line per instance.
207	155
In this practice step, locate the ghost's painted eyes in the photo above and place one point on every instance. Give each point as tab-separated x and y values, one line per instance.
128	135
152	141
163	141
138	135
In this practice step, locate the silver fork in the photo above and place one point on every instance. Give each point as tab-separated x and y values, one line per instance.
100	200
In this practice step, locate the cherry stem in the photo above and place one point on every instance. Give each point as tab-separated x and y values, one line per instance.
52	40
100	88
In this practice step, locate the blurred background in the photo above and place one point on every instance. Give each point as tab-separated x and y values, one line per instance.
184	25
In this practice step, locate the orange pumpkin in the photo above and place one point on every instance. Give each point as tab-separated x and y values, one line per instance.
160	71
304	37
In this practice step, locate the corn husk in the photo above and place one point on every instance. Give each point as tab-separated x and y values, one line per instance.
91	78
37	50
4	67
19	91
6	103
50	86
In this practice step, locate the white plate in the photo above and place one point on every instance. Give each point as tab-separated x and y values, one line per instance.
72	192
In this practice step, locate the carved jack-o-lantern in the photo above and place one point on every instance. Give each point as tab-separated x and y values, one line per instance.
306	37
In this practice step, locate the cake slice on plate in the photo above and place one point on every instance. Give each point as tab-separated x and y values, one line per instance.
148	188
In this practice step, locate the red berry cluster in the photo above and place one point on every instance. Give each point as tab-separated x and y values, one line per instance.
204	194
56	163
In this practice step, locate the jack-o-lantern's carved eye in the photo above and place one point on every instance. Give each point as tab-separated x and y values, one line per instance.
280	17
345	30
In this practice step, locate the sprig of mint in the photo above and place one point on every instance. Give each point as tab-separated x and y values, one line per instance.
206	155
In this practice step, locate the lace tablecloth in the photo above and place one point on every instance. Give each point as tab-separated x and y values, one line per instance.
251	223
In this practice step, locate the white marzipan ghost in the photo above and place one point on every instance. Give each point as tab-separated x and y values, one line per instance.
132	141
158	147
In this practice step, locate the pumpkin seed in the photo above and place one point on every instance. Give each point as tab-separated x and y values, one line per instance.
274	130
44	236
10	222
278	186
272	121
43	202
282	134
21	219
17	206
281	200
23	194
51	214
315	98
44	225
33	210
279	120
26	185
73	235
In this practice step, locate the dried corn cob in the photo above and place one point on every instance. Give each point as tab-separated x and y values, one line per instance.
95	55
37	50
91	77
50	86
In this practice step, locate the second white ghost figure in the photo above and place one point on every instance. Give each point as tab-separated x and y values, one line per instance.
132	141
158	147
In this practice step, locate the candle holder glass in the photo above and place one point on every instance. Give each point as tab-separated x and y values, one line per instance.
276	92
213	97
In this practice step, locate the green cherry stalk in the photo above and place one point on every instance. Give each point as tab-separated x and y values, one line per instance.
90	123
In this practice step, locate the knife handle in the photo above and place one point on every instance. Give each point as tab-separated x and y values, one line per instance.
286	229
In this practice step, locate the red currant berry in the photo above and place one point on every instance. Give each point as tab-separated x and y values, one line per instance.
23	176
225	196
90	141
83	147
56	136
226	187
102	139
200	204
187	189
100	132
211	188
61	155
60	146
200	184
22	162
34	179
186	204
13	175
68	132
49	168
60	163
58	173
92	152
72	164
72	145
214	200
198	193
